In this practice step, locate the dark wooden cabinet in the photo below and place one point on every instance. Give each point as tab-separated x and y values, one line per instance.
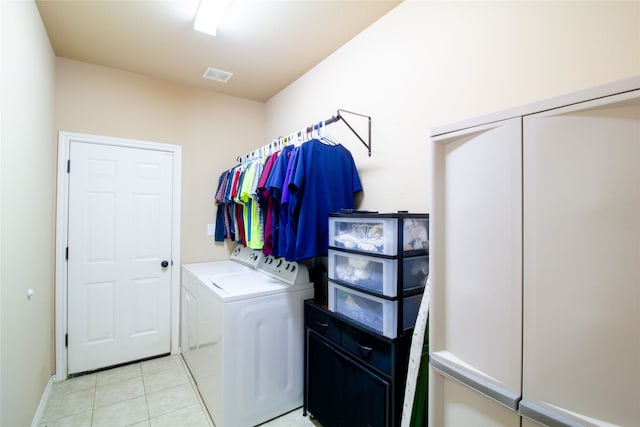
321	372
353	377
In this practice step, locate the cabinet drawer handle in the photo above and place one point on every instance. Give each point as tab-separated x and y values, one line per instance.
504	396
544	416
364	350
322	325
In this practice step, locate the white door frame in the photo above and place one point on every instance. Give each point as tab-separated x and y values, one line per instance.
64	143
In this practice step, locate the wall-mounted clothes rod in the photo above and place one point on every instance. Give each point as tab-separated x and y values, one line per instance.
339	116
307	133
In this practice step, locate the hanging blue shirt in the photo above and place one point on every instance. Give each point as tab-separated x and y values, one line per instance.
324	179
275	184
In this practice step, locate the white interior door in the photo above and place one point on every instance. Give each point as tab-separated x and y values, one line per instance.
119	234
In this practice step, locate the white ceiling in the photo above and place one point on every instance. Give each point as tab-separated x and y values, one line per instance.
266	44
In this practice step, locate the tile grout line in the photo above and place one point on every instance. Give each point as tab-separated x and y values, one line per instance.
196	391
144	389
93	404
163	389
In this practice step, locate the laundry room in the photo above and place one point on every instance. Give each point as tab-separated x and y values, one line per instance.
395	84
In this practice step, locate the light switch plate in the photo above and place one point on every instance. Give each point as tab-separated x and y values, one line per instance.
210	229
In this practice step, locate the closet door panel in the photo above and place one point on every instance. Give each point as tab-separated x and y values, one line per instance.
529	423
462	406
582	262
476	259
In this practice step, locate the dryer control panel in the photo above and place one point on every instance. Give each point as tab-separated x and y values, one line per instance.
289	272
246	256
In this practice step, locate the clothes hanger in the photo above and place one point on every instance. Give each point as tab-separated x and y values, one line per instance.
325	138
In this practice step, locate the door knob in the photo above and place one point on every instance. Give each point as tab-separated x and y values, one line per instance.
164	264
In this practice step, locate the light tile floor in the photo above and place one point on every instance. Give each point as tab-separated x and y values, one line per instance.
154	393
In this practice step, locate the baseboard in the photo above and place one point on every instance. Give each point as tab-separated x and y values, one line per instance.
43	403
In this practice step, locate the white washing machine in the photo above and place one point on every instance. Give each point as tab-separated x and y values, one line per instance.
242	338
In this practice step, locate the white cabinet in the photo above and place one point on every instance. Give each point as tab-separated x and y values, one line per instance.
582	263
476	258
535	264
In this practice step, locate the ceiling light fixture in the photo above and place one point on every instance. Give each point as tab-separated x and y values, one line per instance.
209	15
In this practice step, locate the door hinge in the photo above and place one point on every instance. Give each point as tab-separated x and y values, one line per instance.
66	340
66	253
68	166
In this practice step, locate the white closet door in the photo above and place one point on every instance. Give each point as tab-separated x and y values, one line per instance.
476	269
582	263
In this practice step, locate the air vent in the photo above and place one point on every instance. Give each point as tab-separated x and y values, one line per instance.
217	75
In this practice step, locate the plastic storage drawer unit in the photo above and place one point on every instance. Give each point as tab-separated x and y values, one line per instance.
377	274
376	313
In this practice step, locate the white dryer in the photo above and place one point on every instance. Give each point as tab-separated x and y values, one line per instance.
244	339
242	259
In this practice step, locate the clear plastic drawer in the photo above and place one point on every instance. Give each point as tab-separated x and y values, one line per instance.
377	274
376	313
378	235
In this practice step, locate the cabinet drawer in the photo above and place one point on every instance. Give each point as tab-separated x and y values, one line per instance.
367	347
321	322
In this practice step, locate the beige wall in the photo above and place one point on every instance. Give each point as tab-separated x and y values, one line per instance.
27	211
429	63
213	129
423	64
